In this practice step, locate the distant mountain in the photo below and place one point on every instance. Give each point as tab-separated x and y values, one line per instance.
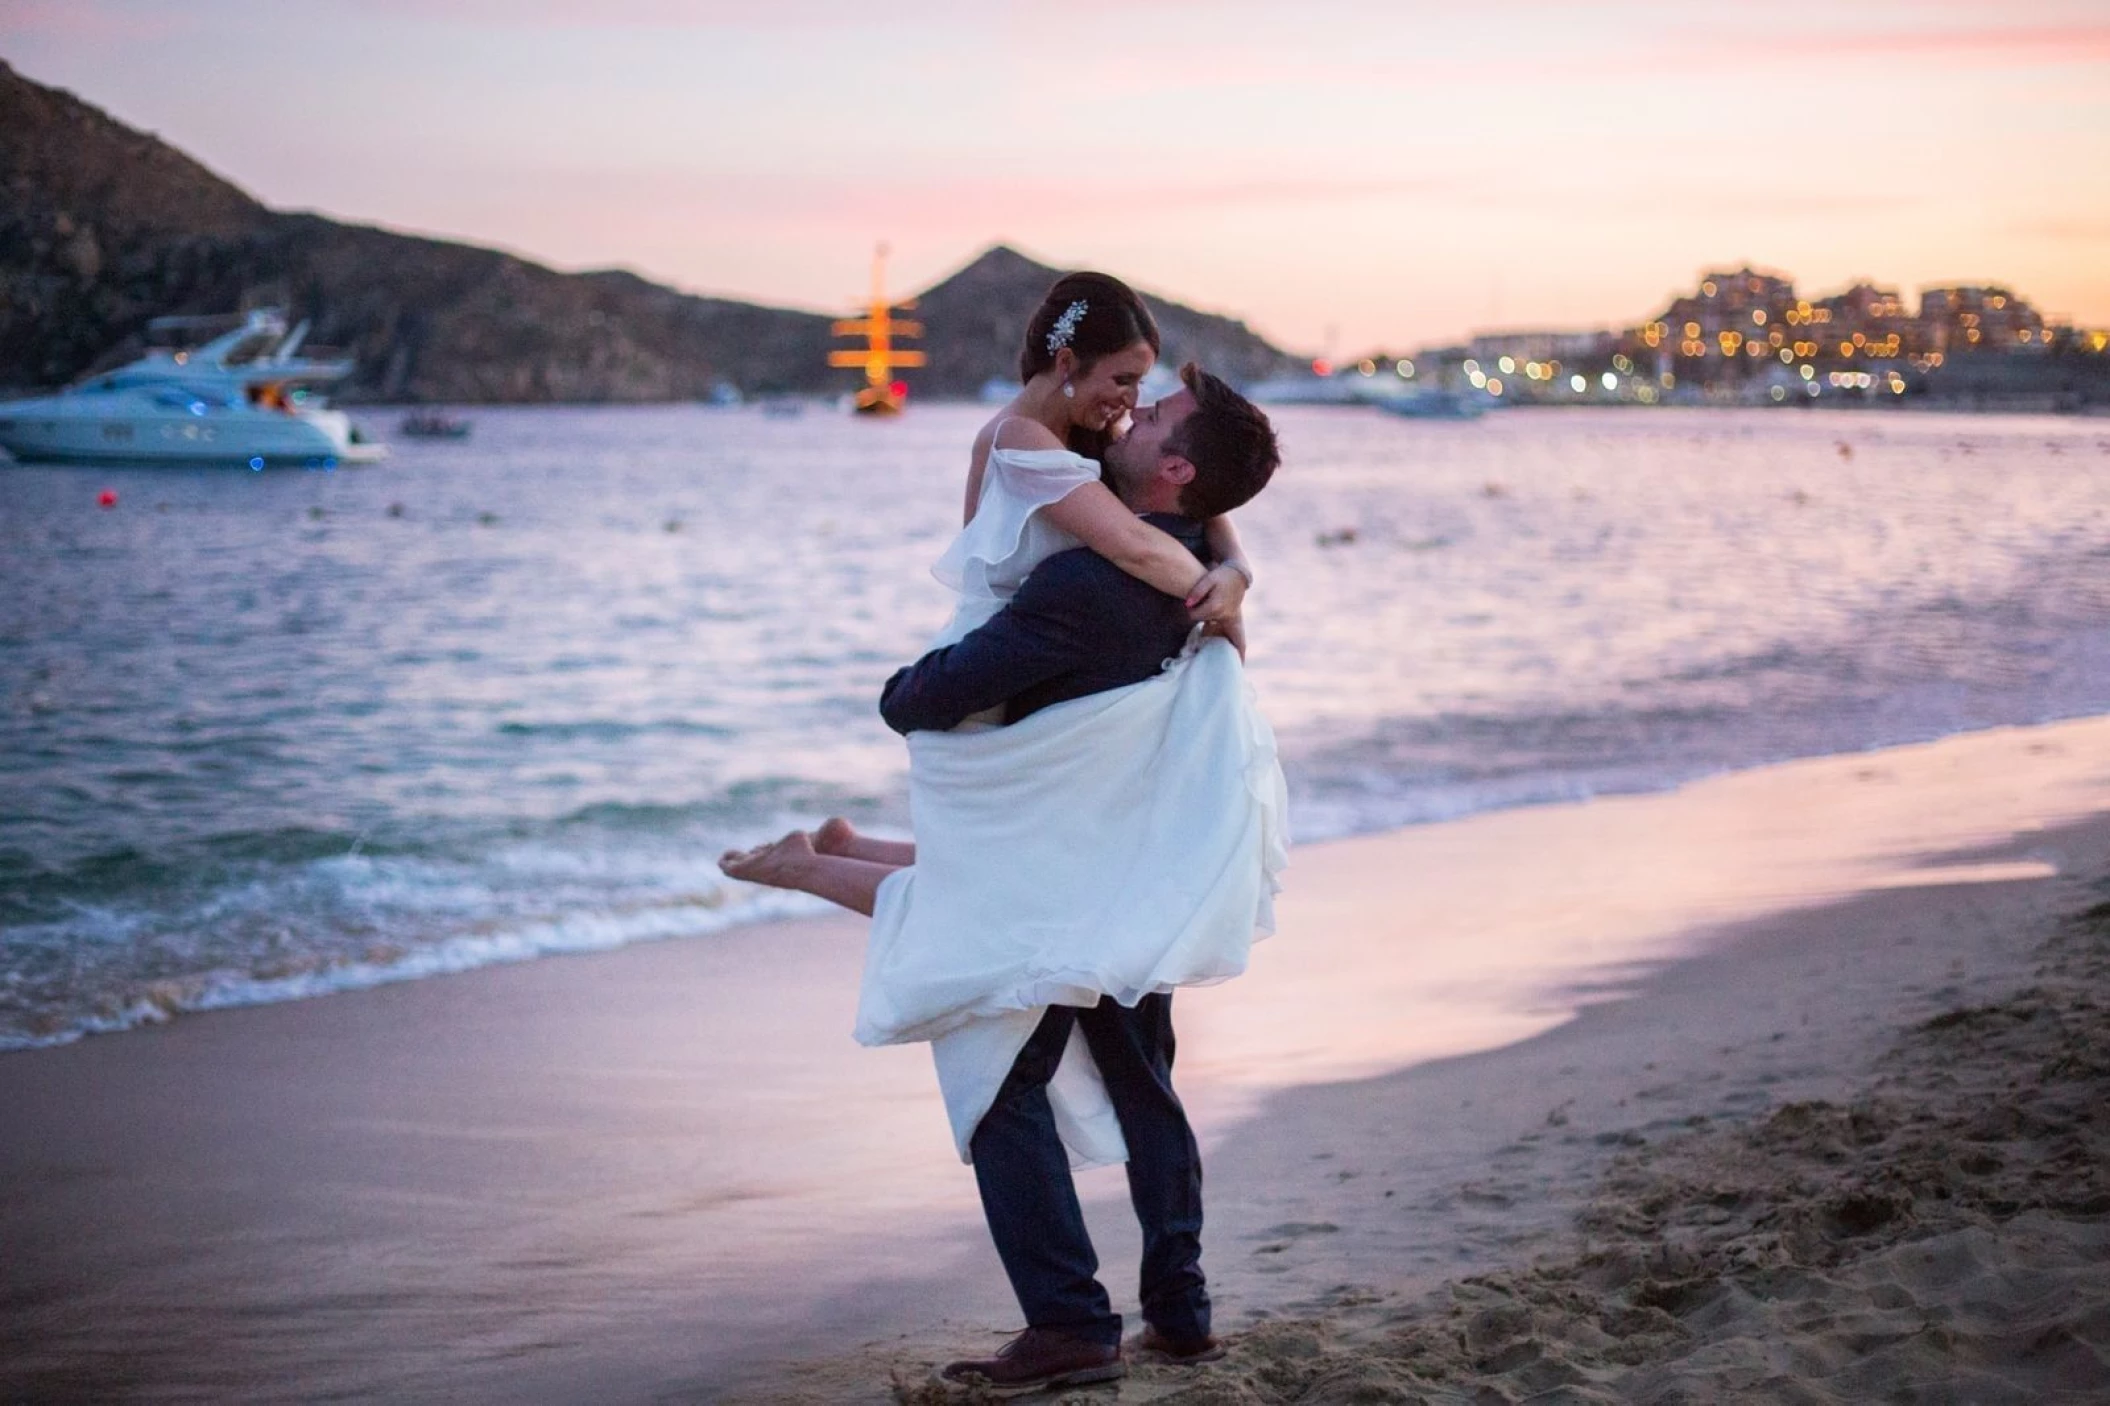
104	227
976	321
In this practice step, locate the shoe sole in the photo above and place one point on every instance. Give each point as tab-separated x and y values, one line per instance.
1083	1376
1159	1358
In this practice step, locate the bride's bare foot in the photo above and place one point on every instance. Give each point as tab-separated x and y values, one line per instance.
836	836
785	864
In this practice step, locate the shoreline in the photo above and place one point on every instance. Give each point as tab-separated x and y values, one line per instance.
560	1177
182	997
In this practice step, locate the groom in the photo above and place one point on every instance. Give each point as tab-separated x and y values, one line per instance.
1079	625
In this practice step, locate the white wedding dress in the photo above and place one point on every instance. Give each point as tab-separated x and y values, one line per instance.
1117	844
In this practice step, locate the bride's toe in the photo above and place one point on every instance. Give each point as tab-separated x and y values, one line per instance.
769	863
834	836
737	859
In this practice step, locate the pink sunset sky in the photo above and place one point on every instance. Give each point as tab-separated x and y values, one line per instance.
1342	174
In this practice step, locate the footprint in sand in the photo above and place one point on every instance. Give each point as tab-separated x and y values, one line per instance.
1298	1229
1488	1196
1284	1237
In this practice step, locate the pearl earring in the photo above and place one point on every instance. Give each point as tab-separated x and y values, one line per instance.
1069	392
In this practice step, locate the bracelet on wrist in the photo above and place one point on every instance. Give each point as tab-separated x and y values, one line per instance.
1241	568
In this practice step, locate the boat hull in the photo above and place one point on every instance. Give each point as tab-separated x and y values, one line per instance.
1432	405
53	432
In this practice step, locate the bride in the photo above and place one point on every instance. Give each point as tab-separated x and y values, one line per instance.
1003	906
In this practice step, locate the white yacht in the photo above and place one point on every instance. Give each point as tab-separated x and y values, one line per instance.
245	397
1302	389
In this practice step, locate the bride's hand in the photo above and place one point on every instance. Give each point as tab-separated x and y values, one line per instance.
1218	596
1232	629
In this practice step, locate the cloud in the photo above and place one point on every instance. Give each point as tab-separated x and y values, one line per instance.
2006	46
2084	230
89	19
763	197
679	14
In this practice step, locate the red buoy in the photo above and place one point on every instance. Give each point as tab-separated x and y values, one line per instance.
108	498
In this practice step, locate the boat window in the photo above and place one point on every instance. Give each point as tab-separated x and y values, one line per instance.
176	398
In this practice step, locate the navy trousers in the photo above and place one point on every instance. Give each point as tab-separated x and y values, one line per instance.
1031	1202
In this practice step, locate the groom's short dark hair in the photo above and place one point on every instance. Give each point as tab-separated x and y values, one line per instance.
1229	442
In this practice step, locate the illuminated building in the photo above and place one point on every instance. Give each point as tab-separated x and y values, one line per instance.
1744	337
1980	319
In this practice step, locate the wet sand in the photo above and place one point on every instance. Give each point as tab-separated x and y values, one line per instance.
1936	1231
665	1173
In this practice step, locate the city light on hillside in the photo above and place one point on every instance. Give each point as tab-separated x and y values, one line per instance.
1739	350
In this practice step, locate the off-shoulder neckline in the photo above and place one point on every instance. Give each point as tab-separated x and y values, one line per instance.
1066	453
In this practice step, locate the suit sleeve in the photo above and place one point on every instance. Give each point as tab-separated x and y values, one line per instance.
1045	630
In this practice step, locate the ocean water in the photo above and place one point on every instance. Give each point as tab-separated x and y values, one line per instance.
268	735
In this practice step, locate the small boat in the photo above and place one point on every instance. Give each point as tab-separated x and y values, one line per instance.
880	400
882	395
1305	390
430	424
245	397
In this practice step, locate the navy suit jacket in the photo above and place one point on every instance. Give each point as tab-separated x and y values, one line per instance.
1078	625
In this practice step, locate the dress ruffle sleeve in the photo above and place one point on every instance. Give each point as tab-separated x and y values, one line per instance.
994	551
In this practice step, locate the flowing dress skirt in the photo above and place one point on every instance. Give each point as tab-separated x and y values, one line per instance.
1118	844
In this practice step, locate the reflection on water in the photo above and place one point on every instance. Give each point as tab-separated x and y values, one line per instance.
1448	939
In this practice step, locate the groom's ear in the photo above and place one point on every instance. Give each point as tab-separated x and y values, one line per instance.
1176	468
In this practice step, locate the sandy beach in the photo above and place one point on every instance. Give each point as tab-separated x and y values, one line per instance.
1639	1098
1939	1233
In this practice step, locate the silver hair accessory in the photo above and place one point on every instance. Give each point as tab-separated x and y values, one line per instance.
1066	326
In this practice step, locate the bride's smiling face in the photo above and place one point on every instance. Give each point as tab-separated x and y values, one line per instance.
1107	391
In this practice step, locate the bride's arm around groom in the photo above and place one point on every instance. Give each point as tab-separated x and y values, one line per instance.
1078	624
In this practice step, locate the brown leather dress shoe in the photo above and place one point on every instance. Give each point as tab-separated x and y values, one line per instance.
1036	1359
1154	1346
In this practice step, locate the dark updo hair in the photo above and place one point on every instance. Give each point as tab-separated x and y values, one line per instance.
1229	441
1114	319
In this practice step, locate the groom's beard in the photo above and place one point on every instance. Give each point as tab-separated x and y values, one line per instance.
1118	475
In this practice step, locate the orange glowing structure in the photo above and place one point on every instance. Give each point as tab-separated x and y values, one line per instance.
882	394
